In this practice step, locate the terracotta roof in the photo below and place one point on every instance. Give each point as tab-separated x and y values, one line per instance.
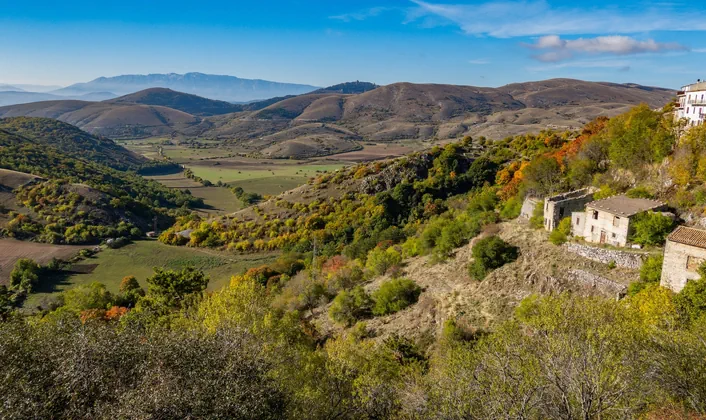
689	236
621	205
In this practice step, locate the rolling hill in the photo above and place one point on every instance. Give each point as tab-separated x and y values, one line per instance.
226	88
71	140
334	119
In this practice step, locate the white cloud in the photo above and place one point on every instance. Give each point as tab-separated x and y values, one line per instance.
362	14
507	19
562	49
622	65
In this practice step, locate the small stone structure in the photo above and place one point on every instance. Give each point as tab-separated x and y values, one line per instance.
631	260
528	207
607	221
684	253
560	206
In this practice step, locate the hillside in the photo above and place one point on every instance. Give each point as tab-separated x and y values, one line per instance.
73	141
17	96
185	102
78	198
224	88
355	111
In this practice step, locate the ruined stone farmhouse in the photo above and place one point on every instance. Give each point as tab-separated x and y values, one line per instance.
560	206
608	221
684	253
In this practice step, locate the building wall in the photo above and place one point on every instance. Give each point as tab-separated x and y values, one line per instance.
578	223
692	103
528	207
680	264
561	206
616	230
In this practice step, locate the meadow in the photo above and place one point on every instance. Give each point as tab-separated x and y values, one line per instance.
139	259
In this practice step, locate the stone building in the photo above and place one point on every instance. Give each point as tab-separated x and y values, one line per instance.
607	221
560	206
684	252
528	207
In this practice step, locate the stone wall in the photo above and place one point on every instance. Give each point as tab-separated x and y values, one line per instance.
594	281
631	260
528	207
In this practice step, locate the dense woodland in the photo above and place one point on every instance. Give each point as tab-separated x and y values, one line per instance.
252	349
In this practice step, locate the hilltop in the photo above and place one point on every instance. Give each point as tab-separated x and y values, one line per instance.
337	119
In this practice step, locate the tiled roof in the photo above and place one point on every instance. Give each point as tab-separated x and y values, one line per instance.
689	236
621	205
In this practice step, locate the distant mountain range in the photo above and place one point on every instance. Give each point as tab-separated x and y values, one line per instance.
225	88
337	118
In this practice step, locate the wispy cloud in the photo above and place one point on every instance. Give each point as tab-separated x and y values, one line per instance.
507	19
361	14
561	49
479	61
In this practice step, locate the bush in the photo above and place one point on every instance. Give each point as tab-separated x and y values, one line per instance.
380	260
537	219
562	232
639	192
25	275
490	253
691	301
395	295
651	228
511	208
350	306
651	271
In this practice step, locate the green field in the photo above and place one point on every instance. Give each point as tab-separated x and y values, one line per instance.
139	258
271	179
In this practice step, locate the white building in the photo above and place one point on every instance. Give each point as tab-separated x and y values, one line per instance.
608	221
692	103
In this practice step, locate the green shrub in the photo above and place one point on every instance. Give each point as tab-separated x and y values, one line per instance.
395	295
604	192
380	260
511	208
490	253
691	301
88	296
562	232
639	192
25	275
537	219
651	271
350	306
651	228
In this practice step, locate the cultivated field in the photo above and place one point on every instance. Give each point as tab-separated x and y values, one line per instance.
139	259
12	250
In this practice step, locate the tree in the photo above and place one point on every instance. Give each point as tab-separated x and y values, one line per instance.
130	291
25	275
543	176
88	296
172	287
395	295
350	306
651	228
490	253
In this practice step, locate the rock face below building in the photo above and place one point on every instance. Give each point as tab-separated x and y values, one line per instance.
684	253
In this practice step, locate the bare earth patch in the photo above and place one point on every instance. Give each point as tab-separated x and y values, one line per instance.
12	250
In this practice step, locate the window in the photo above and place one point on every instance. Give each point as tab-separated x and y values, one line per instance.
577	220
616	221
613	235
693	263
561	211
592	228
595	215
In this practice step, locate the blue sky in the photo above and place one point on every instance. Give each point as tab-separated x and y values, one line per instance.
483	43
